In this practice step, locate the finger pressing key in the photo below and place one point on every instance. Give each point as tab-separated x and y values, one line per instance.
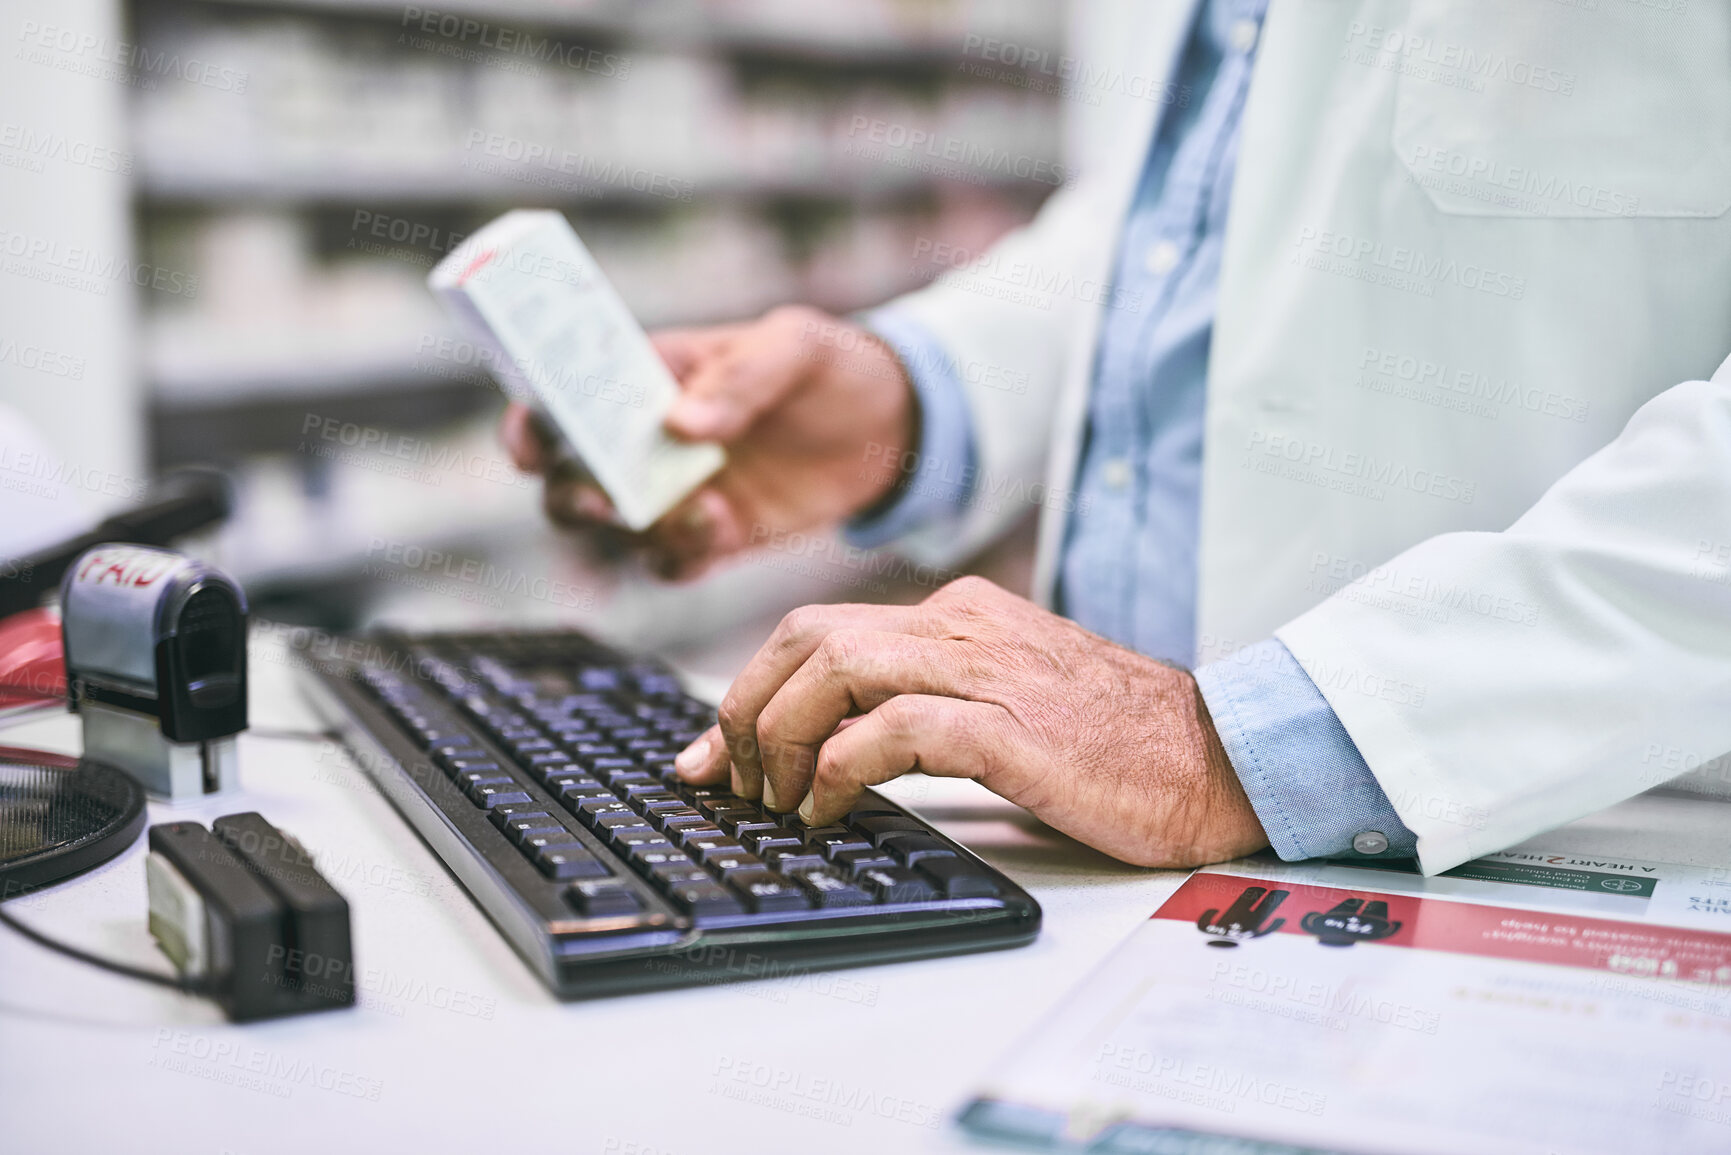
851	670
794	640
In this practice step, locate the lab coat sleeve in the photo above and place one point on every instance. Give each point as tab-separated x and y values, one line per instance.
1585	651
1011	323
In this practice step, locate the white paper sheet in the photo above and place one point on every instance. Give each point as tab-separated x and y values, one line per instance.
1529	1003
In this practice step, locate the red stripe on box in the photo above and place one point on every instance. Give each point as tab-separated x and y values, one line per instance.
475	265
1631	948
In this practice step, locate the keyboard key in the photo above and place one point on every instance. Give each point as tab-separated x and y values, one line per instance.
559	781
685	819
662	768
703	846
725	862
958	878
457	766
673	871
470	779
831	890
524	747
603	898
704	899
647	856
532	844
740	822
832	844
760	841
855	861
504	814
599	678
592	810
519	827
549	761
574	795
615	820
701	832
765	892
647	839
912	848
568	861
879	827
586	751
493	794
791	860
898	884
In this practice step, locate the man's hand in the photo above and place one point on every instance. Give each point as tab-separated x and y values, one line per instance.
809	408
1110	747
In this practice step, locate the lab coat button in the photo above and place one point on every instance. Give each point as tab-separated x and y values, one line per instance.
1243	35
1370	842
1115	473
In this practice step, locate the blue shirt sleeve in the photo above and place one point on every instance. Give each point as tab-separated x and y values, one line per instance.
1310	787
942	471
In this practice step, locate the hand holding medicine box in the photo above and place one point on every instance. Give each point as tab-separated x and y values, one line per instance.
563	343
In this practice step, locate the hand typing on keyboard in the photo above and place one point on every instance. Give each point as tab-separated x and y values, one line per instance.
1108	746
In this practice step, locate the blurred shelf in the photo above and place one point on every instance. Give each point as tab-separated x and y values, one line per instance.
215	430
202	365
887	36
176	179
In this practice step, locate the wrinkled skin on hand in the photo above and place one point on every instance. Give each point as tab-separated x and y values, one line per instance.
1110	747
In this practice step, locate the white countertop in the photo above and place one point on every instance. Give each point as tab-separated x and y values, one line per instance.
456	1046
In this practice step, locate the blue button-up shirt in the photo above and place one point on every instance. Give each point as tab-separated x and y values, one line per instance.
1128	569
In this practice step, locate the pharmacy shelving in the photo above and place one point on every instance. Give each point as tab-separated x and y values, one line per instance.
718	156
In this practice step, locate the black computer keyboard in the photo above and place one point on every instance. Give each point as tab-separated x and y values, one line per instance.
539	767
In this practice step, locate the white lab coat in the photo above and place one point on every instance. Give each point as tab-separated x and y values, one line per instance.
1477	273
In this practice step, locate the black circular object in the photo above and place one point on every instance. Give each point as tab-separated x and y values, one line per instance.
61	815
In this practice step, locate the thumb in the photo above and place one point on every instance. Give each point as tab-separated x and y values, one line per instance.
725	394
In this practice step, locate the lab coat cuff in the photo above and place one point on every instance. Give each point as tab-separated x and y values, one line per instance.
1311	789
942	471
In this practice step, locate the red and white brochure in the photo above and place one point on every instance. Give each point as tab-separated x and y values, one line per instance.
1526	1002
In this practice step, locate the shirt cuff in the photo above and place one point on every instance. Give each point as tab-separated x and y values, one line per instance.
1307	782
941	482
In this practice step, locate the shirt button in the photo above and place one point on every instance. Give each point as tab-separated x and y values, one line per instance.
1243	35
1162	258
1115	473
1370	842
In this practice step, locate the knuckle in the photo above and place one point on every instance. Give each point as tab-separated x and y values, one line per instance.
829	765
970	588
797	624
840	652
731	714
905	717
769	724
